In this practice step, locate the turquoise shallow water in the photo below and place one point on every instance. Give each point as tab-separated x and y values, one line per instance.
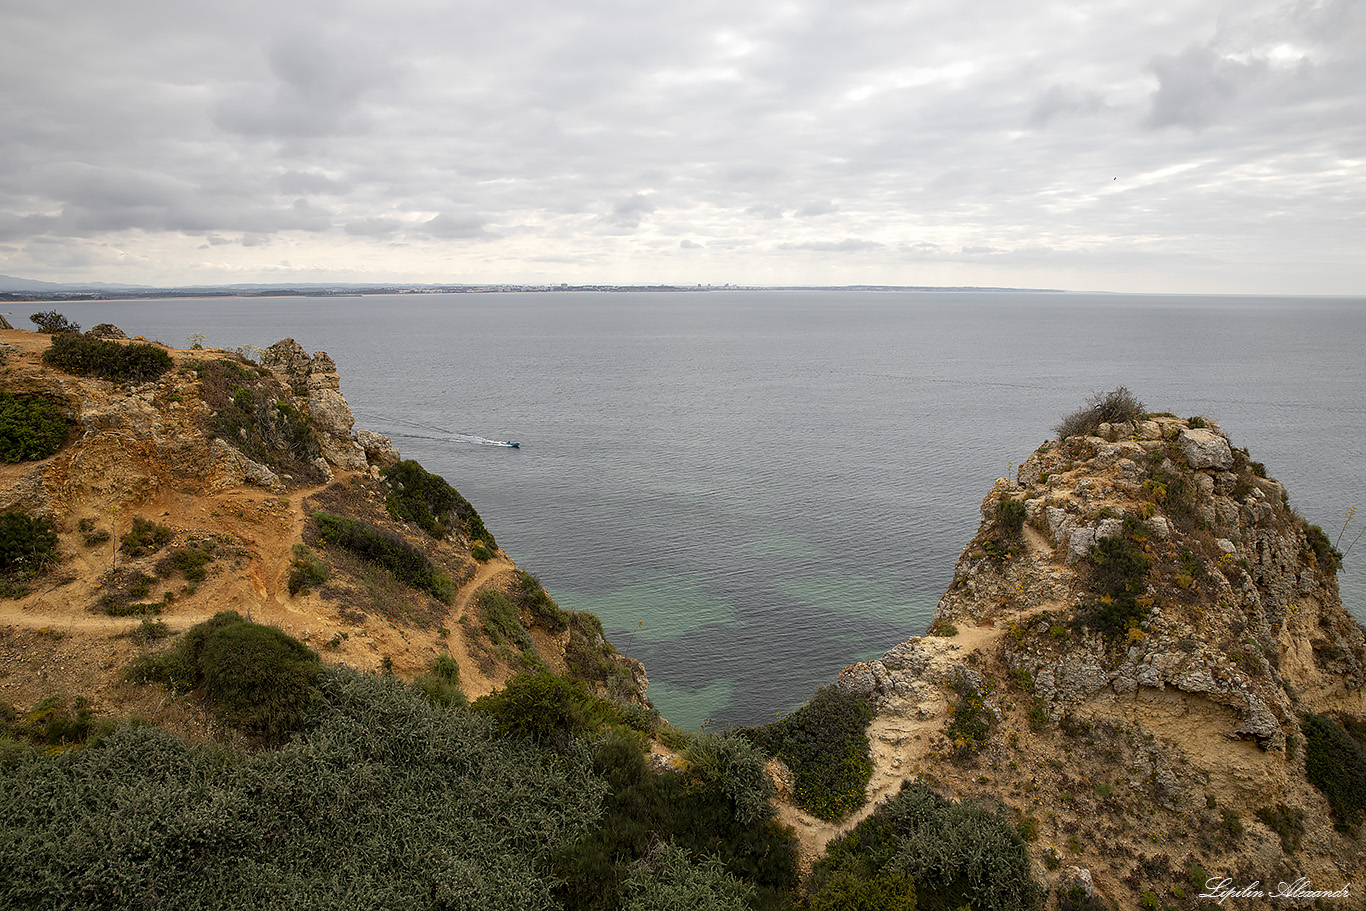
754	489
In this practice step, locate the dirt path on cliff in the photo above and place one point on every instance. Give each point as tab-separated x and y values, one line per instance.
901	746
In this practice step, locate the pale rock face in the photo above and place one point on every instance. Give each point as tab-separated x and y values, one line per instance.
232	469
1205	449
379	449
316	378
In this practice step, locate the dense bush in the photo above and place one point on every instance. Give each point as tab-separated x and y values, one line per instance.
592	658
1010	517
1114	407
441	684
1335	762
252	410
548	710
85	356
252	676
60	723
190	562
644	809
737	770
306	570
825	745
1327	556
1287	823
419	496
31	428
386	802
145	537
667	880
956	854
408	564
504	629
1118	566
27	545
52	322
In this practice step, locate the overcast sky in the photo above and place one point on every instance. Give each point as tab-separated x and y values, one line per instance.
1123	145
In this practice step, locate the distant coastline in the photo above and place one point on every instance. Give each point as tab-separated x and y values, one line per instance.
27	290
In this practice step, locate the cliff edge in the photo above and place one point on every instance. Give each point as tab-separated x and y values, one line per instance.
1143	656
175	484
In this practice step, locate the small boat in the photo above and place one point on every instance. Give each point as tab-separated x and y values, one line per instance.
513	445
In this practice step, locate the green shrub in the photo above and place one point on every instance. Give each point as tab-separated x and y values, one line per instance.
384	802
60	722
306	570
27	546
426	499
588	654
1118	566
1010	517
1287	822
667	880
52	322
190	562
644	809
1328	556
548	710
1335	762
85	356
825	744
504	629
847	892
970	725
145	537
91	535
150	631
31	428
530	595
956	854
254	413
255	677
736	769
408	564
1114	407
441	684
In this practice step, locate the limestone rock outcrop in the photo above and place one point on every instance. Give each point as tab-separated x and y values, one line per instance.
1143	622
315	378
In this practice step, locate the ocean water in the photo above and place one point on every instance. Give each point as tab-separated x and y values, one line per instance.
755	489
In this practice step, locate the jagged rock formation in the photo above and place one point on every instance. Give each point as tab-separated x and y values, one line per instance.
315	378
1139	623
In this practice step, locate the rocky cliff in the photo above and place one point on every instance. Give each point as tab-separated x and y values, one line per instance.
195	492
1133	648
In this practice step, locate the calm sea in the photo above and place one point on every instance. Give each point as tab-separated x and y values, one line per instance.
754	489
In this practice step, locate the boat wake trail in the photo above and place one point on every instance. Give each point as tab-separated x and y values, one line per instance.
413	430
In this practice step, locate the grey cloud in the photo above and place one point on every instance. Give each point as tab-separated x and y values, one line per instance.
979	250
1195	86
295	183
386	227
848	245
549	120
686	244
628	213
456	227
316	90
820	207
1064	101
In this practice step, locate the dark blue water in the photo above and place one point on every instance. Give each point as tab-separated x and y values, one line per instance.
754	489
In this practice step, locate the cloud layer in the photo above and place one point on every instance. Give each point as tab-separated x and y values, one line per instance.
1191	146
